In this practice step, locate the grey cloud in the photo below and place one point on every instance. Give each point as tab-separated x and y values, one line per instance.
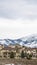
14	9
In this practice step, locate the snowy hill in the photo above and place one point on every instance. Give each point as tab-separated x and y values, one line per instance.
30	41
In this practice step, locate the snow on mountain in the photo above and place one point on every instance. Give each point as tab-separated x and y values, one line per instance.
29	41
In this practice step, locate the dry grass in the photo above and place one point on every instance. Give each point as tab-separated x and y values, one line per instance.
20	61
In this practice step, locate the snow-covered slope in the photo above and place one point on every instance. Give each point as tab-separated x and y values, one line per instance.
30	41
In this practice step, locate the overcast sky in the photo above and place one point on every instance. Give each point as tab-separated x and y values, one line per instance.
18	18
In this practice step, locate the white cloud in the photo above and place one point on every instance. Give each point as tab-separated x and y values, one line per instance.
17	28
23	15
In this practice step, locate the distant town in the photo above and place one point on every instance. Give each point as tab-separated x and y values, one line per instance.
17	51
17	55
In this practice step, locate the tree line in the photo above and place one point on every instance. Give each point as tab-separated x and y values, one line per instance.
22	55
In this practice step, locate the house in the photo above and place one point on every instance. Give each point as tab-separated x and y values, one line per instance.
34	52
5	52
28	52
1	46
12	46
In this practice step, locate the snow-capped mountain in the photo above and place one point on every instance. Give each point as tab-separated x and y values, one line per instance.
30	41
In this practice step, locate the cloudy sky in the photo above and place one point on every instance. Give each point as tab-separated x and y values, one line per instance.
18	18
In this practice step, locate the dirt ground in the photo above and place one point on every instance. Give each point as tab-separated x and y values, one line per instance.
18	61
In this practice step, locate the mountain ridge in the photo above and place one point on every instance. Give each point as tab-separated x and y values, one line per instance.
28	41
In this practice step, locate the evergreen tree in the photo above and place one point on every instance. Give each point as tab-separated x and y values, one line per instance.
25	54
22	54
12	55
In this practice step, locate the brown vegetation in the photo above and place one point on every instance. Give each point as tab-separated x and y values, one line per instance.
18	61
